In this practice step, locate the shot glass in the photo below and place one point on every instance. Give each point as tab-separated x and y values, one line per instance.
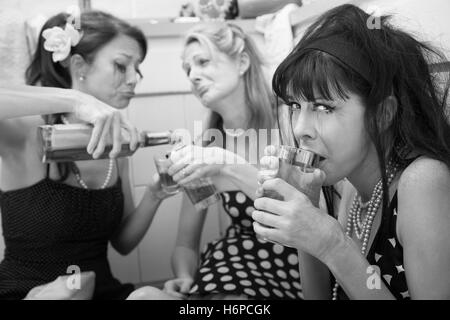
162	163
202	193
300	174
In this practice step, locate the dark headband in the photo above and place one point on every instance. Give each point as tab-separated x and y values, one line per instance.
345	52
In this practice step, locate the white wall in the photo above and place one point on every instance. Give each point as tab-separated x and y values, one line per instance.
140	8
123	8
428	20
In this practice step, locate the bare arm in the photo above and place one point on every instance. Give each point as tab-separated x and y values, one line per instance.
186	254
137	220
243	176
21	101
315	277
422	228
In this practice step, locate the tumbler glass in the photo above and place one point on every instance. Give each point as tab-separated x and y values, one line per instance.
202	193
162	163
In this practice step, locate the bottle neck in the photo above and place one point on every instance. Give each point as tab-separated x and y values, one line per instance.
149	138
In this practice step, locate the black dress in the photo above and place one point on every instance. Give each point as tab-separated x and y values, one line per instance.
50	226
387	254
241	264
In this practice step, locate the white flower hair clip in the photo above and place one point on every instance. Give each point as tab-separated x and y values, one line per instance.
59	41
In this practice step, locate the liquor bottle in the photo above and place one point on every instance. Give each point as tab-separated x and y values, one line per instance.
68	142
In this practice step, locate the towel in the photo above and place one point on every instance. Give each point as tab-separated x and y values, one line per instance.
14	52
278	37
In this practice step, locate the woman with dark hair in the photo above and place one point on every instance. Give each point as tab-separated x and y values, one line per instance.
365	100
60	217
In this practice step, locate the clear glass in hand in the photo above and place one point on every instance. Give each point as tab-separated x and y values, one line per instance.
162	163
202	193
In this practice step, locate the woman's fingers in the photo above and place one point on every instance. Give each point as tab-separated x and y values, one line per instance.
181	153
177	166
281	187
179	170
103	138
185	286
268	234
259	192
269	162
132	131
96	133
117	136
270	150
270	205
194	174
174	288
267	219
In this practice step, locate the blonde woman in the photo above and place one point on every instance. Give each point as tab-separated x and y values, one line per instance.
225	71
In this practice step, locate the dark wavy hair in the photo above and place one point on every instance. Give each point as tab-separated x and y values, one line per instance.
98	29
400	66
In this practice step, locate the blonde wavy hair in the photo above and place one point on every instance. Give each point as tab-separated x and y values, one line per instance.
231	40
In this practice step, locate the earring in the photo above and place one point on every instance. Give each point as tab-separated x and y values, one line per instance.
81	78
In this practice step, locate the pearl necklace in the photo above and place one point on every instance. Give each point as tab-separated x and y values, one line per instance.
81	182
363	228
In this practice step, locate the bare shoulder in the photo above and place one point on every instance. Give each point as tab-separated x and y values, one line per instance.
423	199
425	174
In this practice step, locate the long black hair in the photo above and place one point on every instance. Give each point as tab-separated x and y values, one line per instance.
98	29
400	66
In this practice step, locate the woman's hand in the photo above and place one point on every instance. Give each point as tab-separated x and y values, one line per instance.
156	189
268	169
178	287
296	222
194	162
106	121
79	286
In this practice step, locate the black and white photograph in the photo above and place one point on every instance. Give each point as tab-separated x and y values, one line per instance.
266	152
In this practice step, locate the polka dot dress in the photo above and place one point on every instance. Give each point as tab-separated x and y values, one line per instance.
49	226
241	264
387	253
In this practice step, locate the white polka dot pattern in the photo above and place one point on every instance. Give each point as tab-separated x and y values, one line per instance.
241	264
